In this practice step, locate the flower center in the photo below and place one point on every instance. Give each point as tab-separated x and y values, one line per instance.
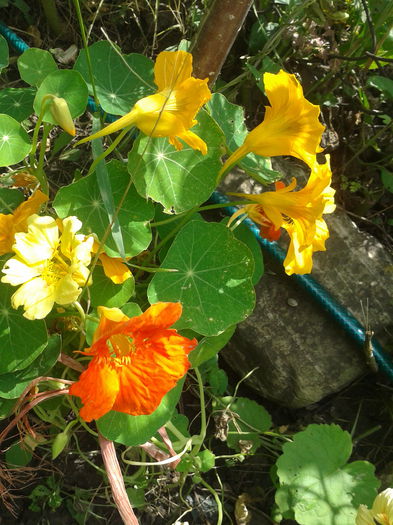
121	345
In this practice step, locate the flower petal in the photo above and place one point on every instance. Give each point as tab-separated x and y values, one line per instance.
17	272
115	269
172	68
37	298
40	241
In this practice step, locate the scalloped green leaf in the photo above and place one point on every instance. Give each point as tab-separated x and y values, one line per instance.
10	199
14	141
213	280
17	102
13	384
317	484
230	118
67	84
135	430
104	292
83	199
4	54
21	340
208	347
35	64
120	80
179	180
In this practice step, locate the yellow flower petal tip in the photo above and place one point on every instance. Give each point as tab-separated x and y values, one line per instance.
290	127
50	265
135	362
171	111
381	512
61	114
299	213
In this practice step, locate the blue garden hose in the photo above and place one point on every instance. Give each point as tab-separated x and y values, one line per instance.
351	325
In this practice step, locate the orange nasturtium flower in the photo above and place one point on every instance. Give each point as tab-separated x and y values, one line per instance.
290	126
298	212
136	361
16	221
50	265
381	511
171	111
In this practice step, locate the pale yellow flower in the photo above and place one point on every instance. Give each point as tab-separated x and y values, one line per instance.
381	512
171	111
290	127
50	265
298	212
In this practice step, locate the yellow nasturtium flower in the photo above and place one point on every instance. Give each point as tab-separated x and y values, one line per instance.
14	222
50	265
299	213
381	512
114	267
290	127
171	111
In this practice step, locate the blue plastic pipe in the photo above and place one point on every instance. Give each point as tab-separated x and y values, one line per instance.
341	315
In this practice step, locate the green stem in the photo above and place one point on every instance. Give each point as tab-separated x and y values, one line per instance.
84	39
39	171
108	150
216	498
196	448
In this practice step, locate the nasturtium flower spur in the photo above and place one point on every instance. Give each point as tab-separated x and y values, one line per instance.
290	127
136	361
16	221
298	212
171	111
51	265
381	512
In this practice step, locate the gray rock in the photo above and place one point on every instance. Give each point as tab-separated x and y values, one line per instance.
300	353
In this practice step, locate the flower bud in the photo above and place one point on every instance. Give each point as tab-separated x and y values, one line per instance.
61	113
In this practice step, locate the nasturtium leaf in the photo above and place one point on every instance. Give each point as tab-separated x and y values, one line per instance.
83	199
6	407
18	455
136	495
120	80
17	102
230	118
179	180
35	64
212	281
208	347
104	292
205	460
181	424
14	141
387	179
135	430
21	340
63	83
316	482
244	234
383	84
218	381
13	383
9	200
3	52
247	420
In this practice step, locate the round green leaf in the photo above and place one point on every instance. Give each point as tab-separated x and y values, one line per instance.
182	179
104	292
35	64
17	102
212	281
208	347
18	455
3	53
315	481
67	84
21	340
14	141
135	430
120	80
13	384
83	199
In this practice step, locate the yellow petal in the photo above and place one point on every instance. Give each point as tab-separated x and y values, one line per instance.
115	269
61	114
172	68
121	123
40	241
36	296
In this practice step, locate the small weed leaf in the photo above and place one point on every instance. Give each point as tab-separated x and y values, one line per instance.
212	281
316	483
120	80
83	199
17	102
27	339
179	180
135	430
65	84
106	293
14	141
208	347
383	84
387	179
34	65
